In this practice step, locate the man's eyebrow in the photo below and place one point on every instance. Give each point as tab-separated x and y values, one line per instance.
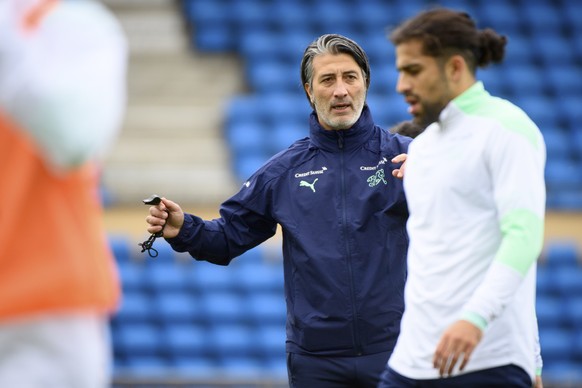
409	66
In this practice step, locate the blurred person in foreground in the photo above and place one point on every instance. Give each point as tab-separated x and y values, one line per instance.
476	234
343	217
62	98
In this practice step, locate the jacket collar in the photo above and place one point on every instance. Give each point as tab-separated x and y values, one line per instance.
351	138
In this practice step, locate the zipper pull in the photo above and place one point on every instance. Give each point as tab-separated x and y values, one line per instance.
340	139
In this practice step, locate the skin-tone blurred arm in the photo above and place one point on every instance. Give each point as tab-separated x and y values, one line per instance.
167	213
399	172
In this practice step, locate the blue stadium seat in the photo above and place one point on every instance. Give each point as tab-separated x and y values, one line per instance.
207	277
523	79
493	81
286	107
568	281
338	17
571	114
291	16
182	340
564	79
248	14
222	307
243	368
292	46
544	281
549	311
576	141
388	109
135	307
246	165
213	25
552	48
267	277
565	199
247	137
274	77
539	108
172	307
267	308
519	51
460	5
120	245
380	53
286	133
245	108
213	38
556	344
170	276
502	16
214	11
562	254
558	144
270	341
543	16
371	17
276	368
573	312
230	340
572	14
257	45
562	373
254	256
562	174
131	275
146	366
383	79
199	368
141	339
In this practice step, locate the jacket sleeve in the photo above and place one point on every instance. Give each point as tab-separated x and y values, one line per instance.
245	222
517	169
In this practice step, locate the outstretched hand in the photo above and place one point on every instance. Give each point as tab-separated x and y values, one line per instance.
167	215
399	172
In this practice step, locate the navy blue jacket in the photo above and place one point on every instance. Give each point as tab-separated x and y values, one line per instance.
343	220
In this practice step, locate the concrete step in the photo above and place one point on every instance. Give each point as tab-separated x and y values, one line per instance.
187	184
186	122
152	27
171	141
183	78
171	151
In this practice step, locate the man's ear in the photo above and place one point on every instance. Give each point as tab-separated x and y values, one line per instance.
455	67
308	91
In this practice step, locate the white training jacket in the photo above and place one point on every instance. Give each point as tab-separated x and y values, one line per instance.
475	189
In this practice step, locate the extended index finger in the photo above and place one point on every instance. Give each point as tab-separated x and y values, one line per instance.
399	158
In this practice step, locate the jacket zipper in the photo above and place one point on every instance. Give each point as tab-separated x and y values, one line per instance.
357	344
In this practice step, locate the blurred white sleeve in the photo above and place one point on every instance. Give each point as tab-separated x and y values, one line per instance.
65	81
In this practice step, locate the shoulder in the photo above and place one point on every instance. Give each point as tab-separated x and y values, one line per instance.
393	143
284	161
505	119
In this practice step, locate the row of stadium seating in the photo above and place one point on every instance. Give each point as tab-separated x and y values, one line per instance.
542	72
196	318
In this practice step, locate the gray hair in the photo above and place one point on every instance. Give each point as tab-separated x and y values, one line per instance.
333	44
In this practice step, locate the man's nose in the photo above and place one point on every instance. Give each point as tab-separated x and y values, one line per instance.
402	85
340	89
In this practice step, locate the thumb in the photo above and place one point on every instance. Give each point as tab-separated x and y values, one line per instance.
170	206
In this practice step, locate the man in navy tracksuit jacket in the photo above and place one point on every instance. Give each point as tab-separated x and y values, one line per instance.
343	217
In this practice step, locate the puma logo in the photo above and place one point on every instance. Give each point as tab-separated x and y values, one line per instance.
307	184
